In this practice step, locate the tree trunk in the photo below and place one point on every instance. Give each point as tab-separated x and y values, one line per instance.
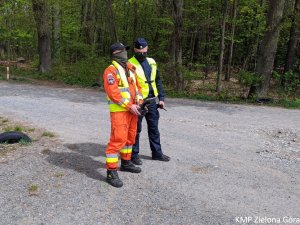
292	47
177	44
112	21
194	45
56	31
222	47
135	20
40	10
268	47
228	74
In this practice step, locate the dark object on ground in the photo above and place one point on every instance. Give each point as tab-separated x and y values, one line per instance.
264	100
13	137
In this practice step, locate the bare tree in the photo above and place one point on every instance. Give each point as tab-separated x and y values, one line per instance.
40	10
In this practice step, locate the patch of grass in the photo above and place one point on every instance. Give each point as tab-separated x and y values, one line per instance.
48	134
9	128
83	73
31	130
226	98
290	104
16	128
33	189
59	174
24	142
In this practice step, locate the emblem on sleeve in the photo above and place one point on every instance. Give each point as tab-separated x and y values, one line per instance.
110	79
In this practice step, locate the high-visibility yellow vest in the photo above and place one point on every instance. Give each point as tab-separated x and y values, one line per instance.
123	88
142	77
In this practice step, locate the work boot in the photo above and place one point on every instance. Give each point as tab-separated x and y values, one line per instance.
137	160
127	165
113	178
163	158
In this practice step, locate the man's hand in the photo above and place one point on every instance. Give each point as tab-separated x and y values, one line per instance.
134	109
162	104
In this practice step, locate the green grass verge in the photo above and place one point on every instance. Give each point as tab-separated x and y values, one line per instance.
82	73
285	103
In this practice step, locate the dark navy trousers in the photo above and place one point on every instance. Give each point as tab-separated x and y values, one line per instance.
152	118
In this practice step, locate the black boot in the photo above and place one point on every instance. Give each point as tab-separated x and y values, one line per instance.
127	165
113	178
137	161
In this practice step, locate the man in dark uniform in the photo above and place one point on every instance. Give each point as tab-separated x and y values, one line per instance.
151	85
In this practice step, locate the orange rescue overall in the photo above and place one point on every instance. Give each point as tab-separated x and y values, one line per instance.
123	122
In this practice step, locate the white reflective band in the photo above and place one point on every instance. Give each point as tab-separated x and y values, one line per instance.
124	89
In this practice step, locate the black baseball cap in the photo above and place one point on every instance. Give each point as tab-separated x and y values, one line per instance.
118	46
140	43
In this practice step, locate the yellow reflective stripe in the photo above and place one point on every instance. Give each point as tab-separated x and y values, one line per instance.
112	160
126	150
121	71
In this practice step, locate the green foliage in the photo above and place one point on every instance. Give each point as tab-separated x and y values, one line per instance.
82	52
249	79
193	74
83	73
292	83
291	104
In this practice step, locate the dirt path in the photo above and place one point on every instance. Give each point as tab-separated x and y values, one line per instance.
228	161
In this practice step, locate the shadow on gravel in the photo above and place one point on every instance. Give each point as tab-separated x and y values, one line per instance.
91	149
146	157
80	160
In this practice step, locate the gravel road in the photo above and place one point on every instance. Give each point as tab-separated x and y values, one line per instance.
227	162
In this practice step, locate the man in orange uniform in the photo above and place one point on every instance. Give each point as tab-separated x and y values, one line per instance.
124	97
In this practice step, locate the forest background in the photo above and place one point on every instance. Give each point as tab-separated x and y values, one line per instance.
230	50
